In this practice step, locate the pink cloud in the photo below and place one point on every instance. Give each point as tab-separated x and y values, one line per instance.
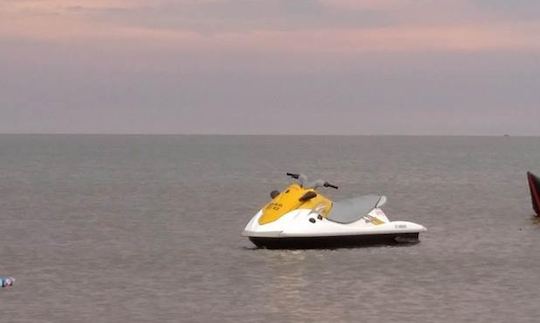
403	38
365	4
45	6
427	36
472	37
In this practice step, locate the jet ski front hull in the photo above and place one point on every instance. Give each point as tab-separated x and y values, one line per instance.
334	242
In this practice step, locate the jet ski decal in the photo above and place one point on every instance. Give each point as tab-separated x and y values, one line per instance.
534	186
373	220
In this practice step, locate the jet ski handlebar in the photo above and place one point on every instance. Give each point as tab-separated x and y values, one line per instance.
302	179
326	184
295	176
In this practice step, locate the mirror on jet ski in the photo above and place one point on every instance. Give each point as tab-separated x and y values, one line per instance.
308	196
273	194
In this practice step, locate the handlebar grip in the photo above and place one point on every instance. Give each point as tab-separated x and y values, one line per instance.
295	176
330	185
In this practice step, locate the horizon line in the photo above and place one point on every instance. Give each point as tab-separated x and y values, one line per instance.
263	134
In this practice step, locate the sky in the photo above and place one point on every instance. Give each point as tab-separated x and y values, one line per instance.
364	67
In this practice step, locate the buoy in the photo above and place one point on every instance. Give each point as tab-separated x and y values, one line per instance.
6	281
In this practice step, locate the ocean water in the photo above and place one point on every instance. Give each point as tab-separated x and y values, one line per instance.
99	228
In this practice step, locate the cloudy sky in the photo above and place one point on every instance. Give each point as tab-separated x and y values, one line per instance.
270	67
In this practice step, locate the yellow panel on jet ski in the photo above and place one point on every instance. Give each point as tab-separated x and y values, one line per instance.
288	200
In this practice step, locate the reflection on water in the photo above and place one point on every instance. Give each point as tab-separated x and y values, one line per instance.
286	283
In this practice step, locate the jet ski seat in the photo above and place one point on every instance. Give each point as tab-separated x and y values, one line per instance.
353	209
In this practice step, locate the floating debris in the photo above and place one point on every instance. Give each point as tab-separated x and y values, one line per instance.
6	281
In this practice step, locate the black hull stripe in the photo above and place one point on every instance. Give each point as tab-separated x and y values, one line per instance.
334	242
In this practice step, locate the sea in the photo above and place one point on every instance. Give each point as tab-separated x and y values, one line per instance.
147	228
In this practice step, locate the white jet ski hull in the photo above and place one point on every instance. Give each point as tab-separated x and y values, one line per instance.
302	229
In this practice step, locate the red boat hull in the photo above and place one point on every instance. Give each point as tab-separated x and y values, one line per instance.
534	186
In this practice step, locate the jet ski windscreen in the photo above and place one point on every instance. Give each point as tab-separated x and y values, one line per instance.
534	186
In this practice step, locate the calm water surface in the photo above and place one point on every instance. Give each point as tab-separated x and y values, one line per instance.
147	229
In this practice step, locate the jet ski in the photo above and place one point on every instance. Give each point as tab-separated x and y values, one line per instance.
534	187
300	217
